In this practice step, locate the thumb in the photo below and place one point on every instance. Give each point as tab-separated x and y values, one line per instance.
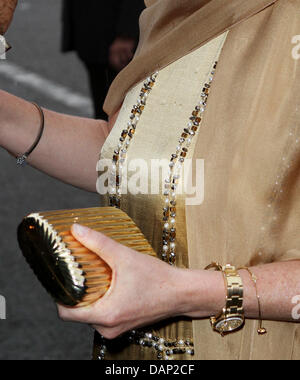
103	246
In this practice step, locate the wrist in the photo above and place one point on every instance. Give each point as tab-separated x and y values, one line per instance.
19	123
202	294
250	299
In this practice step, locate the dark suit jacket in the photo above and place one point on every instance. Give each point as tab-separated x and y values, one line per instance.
90	26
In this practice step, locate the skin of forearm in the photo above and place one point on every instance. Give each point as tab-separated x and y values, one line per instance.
69	147
203	294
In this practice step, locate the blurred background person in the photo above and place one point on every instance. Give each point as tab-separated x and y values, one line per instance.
105	35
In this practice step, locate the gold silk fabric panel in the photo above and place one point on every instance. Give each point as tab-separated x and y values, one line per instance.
176	93
250	142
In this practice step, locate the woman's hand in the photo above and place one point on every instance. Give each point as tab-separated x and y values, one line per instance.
144	290
7	8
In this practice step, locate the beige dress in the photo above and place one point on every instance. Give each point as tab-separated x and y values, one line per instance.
176	93
250	141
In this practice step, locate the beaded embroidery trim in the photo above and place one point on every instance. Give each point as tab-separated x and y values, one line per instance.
166	349
115	179
176	164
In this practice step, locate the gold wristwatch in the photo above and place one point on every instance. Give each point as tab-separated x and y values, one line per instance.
232	317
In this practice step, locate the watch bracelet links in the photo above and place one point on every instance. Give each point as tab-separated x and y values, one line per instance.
235	291
234	295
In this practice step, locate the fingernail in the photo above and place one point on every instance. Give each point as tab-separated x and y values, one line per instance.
79	230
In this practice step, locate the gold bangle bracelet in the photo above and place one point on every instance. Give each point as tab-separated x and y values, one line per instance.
261	330
21	160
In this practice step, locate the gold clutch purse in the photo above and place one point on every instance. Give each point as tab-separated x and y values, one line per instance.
72	274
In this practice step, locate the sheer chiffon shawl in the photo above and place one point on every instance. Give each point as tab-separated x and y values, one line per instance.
250	141
171	29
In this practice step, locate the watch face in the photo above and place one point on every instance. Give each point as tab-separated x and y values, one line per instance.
229	325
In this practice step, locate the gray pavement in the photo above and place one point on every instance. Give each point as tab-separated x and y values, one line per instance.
32	329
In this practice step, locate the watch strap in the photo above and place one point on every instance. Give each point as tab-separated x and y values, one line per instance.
235	291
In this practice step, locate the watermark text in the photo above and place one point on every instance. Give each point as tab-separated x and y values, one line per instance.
2	48
296	49
2	308
139	176
296	309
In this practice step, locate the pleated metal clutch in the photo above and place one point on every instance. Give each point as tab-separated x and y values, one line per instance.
71	273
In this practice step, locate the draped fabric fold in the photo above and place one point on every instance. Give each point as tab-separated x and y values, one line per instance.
250	141
171	29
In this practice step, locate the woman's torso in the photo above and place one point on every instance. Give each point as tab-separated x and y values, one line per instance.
169	106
